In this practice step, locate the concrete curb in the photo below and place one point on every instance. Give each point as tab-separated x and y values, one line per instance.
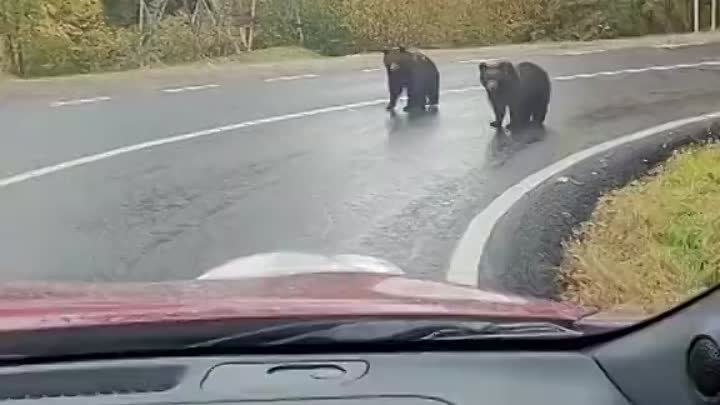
515	244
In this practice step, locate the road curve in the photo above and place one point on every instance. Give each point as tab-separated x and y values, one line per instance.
166	182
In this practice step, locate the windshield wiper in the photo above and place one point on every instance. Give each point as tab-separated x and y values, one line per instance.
334	332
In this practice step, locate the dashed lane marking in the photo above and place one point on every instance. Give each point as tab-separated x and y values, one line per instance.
579	53
637	70
464	90
486	60
79	101
191	88
44	171
679	45
369	70
287	78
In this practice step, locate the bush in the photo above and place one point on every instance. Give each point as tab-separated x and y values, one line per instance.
319	25
18	19
46	37
96	50
172	42
380	23
65	36
325	27
72	36
121	12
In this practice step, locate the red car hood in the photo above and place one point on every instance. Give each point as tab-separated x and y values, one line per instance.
25	306
275	286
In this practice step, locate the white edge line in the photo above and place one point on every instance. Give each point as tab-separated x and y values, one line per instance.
21	177
43	171
463	266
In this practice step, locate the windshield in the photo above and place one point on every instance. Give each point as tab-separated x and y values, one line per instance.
539	162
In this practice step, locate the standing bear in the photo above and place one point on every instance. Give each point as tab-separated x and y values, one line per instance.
414	72
523	89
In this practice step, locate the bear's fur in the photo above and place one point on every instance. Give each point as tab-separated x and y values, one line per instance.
524	89
414	72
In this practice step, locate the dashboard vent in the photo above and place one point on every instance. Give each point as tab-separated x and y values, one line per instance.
89	382
703	365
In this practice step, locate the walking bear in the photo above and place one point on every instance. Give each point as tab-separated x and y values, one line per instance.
524	89
414	72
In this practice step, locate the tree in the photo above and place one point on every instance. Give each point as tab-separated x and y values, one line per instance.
18	19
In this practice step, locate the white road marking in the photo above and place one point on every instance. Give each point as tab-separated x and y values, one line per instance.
19	178
464	263
31	80
637	70
578	53
191	88
464	90
79	101
43	171
286	78
371	70
486	60
680	45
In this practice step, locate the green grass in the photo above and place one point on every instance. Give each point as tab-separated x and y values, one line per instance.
652	244
258	57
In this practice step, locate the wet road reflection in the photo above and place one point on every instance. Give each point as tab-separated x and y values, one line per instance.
505	144
356	180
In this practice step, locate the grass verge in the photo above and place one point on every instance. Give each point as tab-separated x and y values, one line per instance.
262	57
653	243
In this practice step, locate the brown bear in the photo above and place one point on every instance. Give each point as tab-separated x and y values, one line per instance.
523	89
414	72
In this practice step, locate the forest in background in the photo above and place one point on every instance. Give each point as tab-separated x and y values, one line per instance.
57	37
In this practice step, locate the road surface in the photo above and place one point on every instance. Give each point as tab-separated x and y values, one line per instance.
163	182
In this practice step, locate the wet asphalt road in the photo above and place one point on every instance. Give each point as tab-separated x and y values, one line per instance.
344	180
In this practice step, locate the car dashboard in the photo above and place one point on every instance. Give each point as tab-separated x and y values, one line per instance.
394	379
673	359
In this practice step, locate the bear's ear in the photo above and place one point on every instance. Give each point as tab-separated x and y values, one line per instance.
483	67
507	67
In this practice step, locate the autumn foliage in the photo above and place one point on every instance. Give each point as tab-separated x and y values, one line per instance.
50	37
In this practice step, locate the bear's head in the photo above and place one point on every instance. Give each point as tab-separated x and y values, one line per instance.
494	76
398	59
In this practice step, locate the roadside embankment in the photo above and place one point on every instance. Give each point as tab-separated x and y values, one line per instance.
611	229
